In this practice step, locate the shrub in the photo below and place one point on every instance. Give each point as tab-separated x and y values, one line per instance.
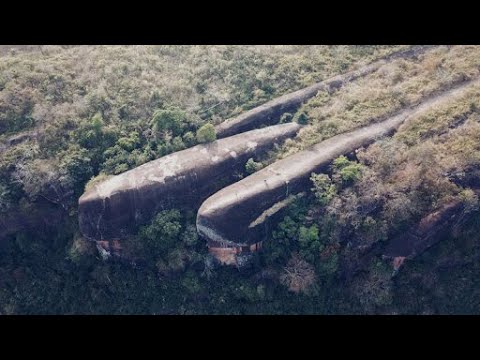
340	162
470	199
206	134
323	188
189	139
286	117
301	118
349	171
80	250
178	144
96	180
252	166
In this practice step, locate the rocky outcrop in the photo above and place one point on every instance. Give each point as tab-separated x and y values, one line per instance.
240	214
444	221
270	112
426	233
115	207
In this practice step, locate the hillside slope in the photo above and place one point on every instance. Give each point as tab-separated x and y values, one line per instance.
76	115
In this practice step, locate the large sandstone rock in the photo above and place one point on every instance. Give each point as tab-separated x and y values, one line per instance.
427	232
270	112
241	214
115	207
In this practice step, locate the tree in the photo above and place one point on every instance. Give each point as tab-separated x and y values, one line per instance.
93	135
190	235
298	275
374	289
309	240
97	122
76	164
162	233
129	143
36	177
171	120
206	134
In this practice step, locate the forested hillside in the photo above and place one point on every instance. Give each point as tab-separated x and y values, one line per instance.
73	116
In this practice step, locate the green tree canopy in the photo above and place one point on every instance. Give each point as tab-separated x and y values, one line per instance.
206	134
162	233
172	120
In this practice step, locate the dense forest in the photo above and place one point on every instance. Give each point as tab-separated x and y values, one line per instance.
73	116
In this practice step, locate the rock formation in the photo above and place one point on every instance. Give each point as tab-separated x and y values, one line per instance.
426	233
270	112
239	215
432	228
115	207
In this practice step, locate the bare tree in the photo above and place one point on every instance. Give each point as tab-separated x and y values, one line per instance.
298	275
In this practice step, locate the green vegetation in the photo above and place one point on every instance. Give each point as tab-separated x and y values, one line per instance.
323	189
82	114
206	134
252	166
394	86
162	233
301	118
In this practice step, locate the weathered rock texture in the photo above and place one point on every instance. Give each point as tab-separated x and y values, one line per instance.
115	207
239	214
432	228
270	112
427	232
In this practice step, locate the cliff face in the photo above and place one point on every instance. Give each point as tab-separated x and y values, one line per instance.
435	226
426	233
117	206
